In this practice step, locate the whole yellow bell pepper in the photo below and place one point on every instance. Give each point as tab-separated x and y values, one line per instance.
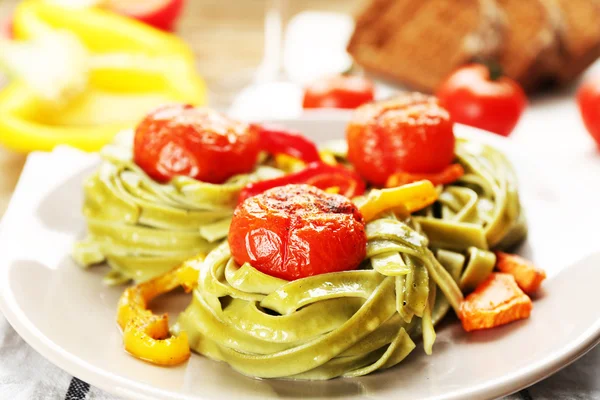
134	68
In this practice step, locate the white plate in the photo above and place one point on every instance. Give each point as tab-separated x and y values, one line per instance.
68	316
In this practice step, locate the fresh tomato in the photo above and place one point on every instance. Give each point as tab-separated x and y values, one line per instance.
411	133
338	92
196	142
475	98
323	176
296	231
588	98
161	14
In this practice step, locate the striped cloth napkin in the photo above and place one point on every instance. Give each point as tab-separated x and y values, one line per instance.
26	375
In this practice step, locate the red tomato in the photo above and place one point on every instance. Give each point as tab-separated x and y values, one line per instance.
296	231
161	14
196	142
410	133
338	92
588	98
474	99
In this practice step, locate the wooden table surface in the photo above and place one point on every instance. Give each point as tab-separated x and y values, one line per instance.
227	39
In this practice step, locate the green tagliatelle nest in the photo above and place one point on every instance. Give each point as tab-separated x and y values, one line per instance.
344	323
353	323
143	228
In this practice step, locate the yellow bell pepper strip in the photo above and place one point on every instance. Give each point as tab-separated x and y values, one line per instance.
132	68
409	198
145	335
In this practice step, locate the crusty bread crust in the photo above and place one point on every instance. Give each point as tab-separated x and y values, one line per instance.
531	42
420	42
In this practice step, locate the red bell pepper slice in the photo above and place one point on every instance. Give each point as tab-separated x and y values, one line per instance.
317	174
161	14
278	140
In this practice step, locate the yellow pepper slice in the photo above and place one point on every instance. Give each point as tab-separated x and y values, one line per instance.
135	68
410	198
145	335
328	157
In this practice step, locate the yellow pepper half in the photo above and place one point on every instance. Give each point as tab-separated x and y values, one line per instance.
408	198
145	335
135	69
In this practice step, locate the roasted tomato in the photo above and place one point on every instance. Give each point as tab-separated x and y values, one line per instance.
411	133
338	92
296	231
475	97
196	142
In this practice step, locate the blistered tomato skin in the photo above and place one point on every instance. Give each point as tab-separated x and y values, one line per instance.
296	231
196	142
411	133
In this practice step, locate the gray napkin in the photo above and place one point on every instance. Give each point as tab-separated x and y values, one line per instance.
26	375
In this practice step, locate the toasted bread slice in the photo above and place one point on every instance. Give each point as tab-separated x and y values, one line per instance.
581	37
420	42
531	46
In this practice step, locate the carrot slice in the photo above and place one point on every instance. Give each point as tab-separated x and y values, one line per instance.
528	276
448	175
496	301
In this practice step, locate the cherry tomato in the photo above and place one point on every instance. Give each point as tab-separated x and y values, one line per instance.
196	142
161	14
588	98
410	133
338	92
296	231
476	99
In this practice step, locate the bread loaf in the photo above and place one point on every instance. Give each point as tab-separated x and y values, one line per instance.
581	39
420	42
531	48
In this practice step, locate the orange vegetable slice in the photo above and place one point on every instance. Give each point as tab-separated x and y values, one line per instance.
528	276
496	301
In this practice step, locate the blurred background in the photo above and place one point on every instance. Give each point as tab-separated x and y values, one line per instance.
229	45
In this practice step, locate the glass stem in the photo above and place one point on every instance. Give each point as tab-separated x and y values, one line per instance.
272	66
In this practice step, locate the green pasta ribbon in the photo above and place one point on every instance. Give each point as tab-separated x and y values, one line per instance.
142	228
337	324
479	212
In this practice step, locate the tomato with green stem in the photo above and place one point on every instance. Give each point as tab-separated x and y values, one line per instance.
479	96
